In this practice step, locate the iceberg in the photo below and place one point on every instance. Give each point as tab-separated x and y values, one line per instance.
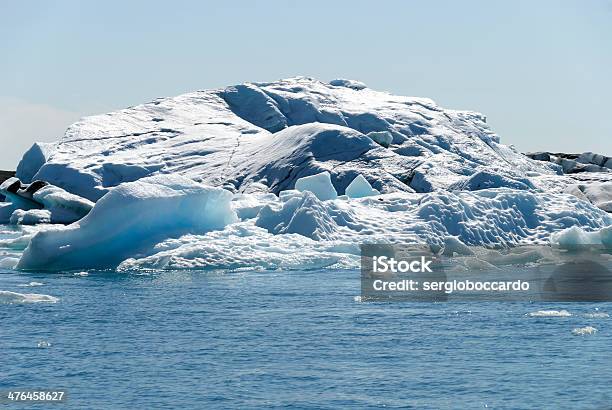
288	174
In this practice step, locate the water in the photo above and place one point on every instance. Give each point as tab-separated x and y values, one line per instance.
301	339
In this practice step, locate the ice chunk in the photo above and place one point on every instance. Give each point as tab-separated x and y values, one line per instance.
26	200
30	284
596	315
63	206
584	331
115	174
550	313
32	160
130	219
7	297
575	237
383	138
360	187
6	210
19	197
288	194
30	217
319	184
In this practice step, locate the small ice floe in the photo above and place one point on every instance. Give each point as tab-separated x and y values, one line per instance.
43	344
7	297
550	313
31	284
80	273
583	331
596	315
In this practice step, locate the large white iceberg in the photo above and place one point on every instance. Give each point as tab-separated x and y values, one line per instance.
289	174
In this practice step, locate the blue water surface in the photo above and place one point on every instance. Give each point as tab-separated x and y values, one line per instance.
291	339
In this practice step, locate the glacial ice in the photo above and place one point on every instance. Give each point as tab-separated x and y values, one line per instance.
291	174
360	188
320	185
130	219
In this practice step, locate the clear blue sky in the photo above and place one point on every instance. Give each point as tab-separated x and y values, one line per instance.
540	70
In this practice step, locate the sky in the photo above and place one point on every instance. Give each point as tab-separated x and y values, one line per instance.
539	70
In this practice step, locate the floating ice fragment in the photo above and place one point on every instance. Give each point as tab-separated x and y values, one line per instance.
7	297
575	237
30	284
583	331
550	313
319	184
596	315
